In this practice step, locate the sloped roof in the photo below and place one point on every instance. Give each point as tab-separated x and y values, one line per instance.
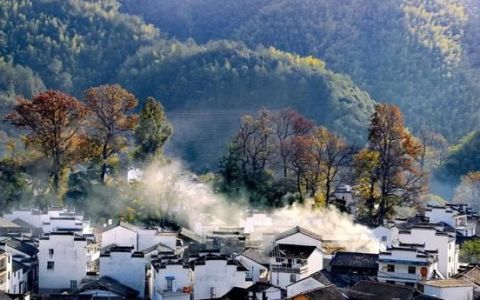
109	284
448	283
4	223
257	256
292	251
184	232
372	290
22	223
325	293
295	230
472	275
22	247
355	260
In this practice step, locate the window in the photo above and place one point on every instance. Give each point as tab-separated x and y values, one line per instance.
50	252
73	284
279	260
3	264
169	284
420	287
384	238
390	282
391	268
293	278
449	259
50	265
2	279
8	275
410	284
412	270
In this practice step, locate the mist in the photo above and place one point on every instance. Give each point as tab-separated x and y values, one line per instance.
179	194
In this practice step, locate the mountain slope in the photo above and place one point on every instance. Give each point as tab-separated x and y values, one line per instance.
419	54
74	44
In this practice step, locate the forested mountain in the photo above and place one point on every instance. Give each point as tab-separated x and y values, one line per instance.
419	54
72	45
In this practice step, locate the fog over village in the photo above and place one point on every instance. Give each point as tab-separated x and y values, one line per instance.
240	149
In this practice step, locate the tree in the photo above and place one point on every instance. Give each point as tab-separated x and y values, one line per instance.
399	173
53	120
366	164
152	132
287	123
111	106
468	191
470	252
434	149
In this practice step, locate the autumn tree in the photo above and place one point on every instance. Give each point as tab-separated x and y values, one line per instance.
53	121
366	165
287	124
336	158
153	130
399	174
112	121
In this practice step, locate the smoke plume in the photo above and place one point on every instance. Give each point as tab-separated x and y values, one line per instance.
179	194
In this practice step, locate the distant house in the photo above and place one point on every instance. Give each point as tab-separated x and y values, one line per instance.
313	282
216	275
126	235
407	264
458	216
372	290
265	291
62	260
290	263
434	240
354	264
299	236
126	266
451	289
324	293
255	262
170	279
101	288
471	275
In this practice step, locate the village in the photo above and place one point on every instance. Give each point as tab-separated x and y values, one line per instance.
58	254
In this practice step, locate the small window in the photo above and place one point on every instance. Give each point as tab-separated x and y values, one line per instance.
420	287
390	282
391	268
279	260
50	252
384	238
412	270
411	284
169	285
449	259
73	284
8	275
2	279
293	278
50	265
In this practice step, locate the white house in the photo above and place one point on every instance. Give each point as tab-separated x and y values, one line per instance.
18	281
170	279
255	262
386	235
451	289
217	275
125	266
5	269
455	215
315	281
126	235
265	291
299	236
291	263
406	265
62	260
434	240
